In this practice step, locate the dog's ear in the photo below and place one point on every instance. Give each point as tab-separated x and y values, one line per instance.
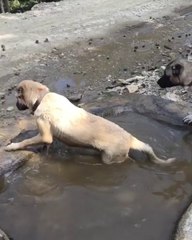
19	92
177	69
43	89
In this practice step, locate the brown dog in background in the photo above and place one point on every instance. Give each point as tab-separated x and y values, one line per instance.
57	117
177	72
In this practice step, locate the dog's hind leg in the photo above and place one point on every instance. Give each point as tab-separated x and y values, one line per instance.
109	159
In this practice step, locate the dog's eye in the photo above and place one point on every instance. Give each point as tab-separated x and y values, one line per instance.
19	92
18	95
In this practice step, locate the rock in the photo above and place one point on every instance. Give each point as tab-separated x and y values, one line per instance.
132	79
17	73
145	73
75	97
10	109
3	47
3	236
46	40
184	231
162	68
2	95
132	88
167	47
122	81
172	96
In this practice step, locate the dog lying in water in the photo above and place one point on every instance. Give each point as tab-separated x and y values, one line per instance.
57	117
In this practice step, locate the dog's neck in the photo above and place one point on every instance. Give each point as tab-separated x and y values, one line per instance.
36	104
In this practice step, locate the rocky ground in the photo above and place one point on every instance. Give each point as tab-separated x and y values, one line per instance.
89	67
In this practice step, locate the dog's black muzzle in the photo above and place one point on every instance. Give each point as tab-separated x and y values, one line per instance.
21	106
165	82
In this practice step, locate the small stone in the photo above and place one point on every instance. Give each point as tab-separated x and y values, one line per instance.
172	97
132	88
75	97
37	41
81	104
10	109
46	40
3	47
167	47
17	73
163	68
121	81
2	95
136	225
145	73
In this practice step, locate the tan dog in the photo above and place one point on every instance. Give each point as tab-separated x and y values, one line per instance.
177	72
57	117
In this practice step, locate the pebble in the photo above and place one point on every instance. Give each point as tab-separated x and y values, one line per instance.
132	88
172	96
10	109
75	97
2	95
3	47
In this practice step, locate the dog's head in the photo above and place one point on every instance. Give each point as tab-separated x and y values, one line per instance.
28	93
173	75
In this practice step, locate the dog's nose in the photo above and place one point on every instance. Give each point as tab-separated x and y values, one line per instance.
165	82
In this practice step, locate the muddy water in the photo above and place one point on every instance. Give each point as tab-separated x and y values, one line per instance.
73	196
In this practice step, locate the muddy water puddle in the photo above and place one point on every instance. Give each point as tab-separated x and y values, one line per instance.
73	196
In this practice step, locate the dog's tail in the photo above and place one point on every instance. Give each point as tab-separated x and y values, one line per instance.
141	146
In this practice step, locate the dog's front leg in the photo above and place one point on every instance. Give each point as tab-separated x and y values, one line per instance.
44	136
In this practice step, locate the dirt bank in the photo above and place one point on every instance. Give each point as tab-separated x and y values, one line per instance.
63	23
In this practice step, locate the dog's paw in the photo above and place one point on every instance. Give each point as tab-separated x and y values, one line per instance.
188	119
11	147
